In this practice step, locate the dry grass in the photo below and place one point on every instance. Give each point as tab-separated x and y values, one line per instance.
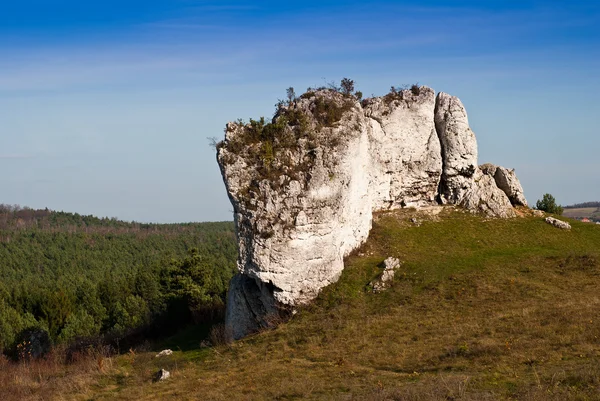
57	375
582	212
482	310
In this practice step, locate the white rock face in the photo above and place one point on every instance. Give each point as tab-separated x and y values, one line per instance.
406	160
491	189
459	148
304	188
293	236
483	196
507	181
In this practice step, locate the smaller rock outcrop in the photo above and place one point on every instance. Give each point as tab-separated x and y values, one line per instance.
507	181
482	195
390	265
558	223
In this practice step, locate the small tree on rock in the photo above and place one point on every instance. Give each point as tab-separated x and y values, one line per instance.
347	86
548	205
291	95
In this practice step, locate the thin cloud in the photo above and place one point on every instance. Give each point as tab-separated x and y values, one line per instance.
15	156
59	69
225	7
182	25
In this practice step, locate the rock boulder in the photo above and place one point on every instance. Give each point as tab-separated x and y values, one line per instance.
558	223
390	265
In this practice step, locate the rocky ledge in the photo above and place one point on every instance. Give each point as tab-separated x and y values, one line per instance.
304	187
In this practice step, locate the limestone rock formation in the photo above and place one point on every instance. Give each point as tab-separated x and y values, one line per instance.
300	211
304	187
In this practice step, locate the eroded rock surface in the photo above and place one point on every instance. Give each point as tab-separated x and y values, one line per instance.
507	181
250	306
459	149
304	187
406	159
481	194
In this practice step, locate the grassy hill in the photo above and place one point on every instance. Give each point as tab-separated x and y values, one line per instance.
481	309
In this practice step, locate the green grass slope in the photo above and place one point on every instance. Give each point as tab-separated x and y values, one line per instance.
481	309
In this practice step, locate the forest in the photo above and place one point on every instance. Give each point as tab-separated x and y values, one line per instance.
73	279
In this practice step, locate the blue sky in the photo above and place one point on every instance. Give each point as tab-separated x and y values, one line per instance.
106	107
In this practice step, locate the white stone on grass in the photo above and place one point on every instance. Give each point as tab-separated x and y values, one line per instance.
165	352
558	223
161	375
390	265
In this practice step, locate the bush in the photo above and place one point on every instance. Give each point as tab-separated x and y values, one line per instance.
415	89
32	343
548	205
347	86
328	112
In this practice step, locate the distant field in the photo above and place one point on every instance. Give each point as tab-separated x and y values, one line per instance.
589	212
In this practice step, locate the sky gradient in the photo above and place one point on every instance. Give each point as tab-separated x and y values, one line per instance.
106	107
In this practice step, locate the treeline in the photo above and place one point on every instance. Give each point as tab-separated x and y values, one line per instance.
17	217
75	277
582	205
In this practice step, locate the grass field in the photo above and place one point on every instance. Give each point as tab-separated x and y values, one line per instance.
589	212
481	309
